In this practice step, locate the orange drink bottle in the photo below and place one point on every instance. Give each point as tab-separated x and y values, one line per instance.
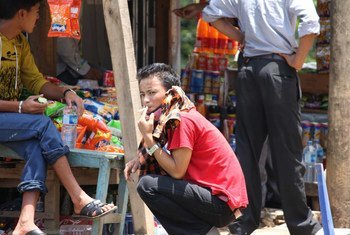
202	36
213	39
222	43
232	47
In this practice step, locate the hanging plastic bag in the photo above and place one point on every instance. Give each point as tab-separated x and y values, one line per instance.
64	18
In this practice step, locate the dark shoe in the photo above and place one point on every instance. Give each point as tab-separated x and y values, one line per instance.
94	207
36	232
235	229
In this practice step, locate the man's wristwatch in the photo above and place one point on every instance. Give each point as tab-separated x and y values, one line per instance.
68	90
152	149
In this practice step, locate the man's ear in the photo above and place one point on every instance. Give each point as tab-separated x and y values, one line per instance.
21	13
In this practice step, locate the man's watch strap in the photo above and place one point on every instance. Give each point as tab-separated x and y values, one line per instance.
152	149
68	90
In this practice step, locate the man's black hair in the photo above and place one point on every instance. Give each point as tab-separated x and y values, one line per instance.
164	72
8	8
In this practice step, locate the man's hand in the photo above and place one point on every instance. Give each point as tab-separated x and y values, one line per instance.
72	98
31	105
145	124
297	60
93	74
293	61
131	167
190	11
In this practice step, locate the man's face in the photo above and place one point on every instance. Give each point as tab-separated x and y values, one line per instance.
29	18
152	94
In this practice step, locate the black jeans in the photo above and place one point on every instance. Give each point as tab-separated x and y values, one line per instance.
268	105
182	207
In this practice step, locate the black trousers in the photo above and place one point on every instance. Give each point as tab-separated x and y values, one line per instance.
268	94
182	207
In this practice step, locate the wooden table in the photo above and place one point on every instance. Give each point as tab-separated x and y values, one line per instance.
102	161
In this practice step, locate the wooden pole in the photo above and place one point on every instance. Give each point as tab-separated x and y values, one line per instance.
118	26
338	150
174	37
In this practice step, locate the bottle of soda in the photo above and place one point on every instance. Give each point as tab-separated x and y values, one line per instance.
212	39
309	159
69	127
319	151
222	43
202	42
232	47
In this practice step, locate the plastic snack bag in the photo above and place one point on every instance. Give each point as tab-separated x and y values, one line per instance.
54	109
97	140
64	18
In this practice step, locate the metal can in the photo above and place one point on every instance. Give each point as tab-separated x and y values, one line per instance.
212	63
222	63
202	63
306	132
317	130
108	79
215	82
185	79
197	81
207	82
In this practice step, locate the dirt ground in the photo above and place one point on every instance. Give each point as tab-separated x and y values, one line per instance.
272	223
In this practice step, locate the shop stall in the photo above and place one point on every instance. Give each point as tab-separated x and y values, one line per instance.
97	167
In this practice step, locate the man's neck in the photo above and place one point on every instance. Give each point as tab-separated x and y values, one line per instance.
8	29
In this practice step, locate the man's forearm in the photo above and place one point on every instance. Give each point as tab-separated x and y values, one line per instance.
52	91
305	44
9	106
226	27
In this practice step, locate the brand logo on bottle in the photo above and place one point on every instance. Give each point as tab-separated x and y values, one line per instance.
71	119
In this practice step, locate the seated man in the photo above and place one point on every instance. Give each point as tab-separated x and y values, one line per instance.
24	128
71	66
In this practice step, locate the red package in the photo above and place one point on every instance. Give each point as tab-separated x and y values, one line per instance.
92	124
80	133
64	18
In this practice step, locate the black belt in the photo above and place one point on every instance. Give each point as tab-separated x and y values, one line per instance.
267	56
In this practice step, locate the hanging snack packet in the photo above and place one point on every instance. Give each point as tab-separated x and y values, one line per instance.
64	18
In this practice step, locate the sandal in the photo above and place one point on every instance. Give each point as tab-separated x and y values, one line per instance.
35	232
94	206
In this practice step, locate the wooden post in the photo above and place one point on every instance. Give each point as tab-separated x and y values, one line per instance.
118	26
174	37
338	149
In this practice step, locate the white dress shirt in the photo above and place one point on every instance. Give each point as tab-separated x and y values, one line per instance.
269	25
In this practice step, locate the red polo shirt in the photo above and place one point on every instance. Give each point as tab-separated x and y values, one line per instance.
213	164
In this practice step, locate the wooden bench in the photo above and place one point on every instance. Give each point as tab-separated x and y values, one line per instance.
102	161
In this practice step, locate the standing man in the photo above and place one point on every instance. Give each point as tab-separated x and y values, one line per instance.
268	95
